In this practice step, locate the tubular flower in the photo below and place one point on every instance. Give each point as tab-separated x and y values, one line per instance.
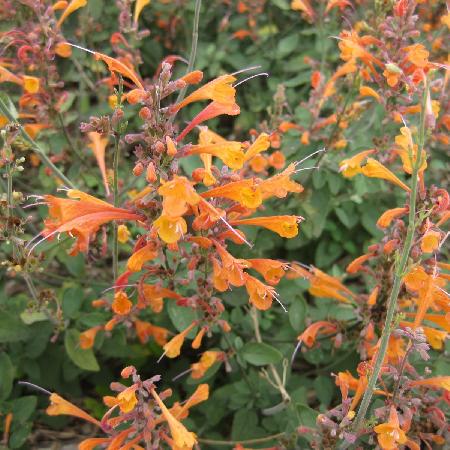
390	434
374	169
178	194
141	256
123	234
81	216
200	395
31	85
271	269
127	400
261	295
219	90
408	151
183	438
435	382
280	184
153	295
285	226
309	336
173	348
261	144
214	109
230	153
61	407
245	192
87	337
304	6
98	146
366	91
352	166
121	304
169	229
356	264
207	359
324	285
232	269
430	241
71	7
145	329
208	177
138	7
388	216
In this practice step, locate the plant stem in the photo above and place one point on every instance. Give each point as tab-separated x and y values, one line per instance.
277	379
244	442
116	203
70	142
399	273
193	54
44	158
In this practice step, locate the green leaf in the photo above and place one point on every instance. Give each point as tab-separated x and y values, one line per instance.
324	389
23	407
182	317
260	354
287	45
297	314
19	435
12	329
85	359
72	301
6	376
29	317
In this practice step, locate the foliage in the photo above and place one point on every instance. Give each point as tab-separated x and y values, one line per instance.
261	233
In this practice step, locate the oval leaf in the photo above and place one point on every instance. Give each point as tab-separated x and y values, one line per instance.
260	354
85	359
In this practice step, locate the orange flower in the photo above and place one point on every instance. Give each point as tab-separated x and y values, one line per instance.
200	395
219	90
169	229
304	6
153	295
270	269
285	226
7	76
214	109
207	359
145	329
277	160
408	151
123	234
244	192
258	163
126	400
121	304
390	434
417	54
309	335
231	270
141	256
372	300
59	406
388	216
280	184
356	264
138	7
367	91
324	285
230	153
178	194
261	295
352	166
87	337
31	84
173	348
92	443
183	438
71	7
261	144
374	169
430	241
80	215
63	49
435	382
98	146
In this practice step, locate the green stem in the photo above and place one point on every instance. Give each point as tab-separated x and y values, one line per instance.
190	67
43	157
70	142
244	442
399	273
116	203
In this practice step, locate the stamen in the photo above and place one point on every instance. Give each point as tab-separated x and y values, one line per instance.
185	372
265	74
34	386
118	286
297	163
81	48
247	69
297	348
